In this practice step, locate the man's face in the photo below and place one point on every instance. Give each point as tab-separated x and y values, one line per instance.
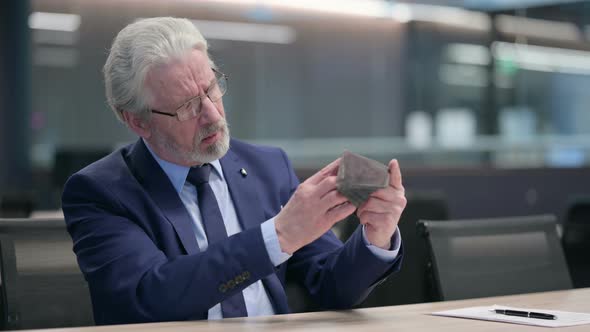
199	140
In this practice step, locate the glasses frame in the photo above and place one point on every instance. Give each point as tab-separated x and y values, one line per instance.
218	76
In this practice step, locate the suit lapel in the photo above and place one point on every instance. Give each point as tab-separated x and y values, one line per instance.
250	214
153	179
243	193
242	190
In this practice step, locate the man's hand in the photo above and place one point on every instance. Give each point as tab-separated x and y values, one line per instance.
313	209
381	212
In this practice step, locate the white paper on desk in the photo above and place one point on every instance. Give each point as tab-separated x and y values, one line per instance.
564	318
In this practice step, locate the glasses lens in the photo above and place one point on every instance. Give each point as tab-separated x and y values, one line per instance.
192	108
218	88
186	107
189	110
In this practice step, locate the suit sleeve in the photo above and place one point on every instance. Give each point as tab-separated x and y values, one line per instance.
128	274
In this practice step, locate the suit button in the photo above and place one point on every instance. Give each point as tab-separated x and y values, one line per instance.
223	288
231	284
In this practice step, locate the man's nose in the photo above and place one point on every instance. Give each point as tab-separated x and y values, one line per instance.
209	112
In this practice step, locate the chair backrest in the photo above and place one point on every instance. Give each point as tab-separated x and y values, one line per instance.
16	205
69	161
42	285
576	240
410	284
500	256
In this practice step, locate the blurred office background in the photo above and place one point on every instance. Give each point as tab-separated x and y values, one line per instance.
483	101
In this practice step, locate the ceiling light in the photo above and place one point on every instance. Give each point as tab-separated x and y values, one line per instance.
54	21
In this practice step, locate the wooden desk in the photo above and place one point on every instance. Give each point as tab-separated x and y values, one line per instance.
413	318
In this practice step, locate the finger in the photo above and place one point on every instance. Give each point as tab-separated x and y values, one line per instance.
379	220
387	194
333	198
375	205
394	204
339	212
395	174
327	185
330	169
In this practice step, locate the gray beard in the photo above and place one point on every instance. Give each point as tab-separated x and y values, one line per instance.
195	156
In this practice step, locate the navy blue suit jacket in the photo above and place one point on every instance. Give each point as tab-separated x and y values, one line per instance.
136	247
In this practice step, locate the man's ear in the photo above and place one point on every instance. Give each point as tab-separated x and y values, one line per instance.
137	124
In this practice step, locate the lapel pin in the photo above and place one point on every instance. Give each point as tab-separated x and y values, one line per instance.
243	172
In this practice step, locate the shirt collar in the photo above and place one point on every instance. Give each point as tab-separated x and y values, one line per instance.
178	173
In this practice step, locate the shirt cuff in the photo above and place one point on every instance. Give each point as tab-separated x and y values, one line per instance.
385	255
271	241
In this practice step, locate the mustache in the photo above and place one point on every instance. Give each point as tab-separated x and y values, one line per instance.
221	125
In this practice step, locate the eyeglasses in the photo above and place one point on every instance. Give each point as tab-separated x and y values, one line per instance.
192	107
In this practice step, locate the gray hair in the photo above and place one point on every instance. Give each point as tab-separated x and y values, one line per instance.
137	48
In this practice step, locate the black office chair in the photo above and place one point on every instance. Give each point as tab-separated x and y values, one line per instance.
69	161
15	205
410	284
42	286
576	241
501	256
298	298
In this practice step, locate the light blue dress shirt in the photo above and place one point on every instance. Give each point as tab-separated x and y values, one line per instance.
257	301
